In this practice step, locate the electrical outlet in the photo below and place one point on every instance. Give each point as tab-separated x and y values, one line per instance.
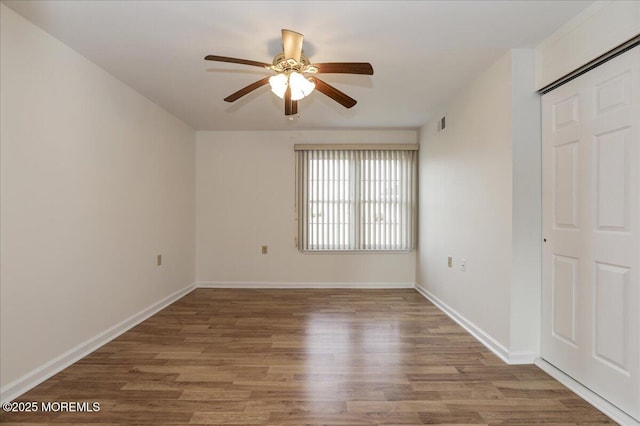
463	265
449	261
265	249
159	260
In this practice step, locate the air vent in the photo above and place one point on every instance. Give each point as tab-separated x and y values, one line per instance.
442	123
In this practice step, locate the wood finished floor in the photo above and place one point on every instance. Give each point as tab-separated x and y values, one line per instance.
304	357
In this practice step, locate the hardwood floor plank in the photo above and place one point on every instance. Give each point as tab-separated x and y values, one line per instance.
214	418
297	407
396	406
461	417
303	357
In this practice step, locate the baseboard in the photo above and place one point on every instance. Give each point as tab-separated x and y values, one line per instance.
492	344
519	358
588	395
300	285
19	386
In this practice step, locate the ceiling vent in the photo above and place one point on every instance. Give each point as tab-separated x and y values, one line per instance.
442	123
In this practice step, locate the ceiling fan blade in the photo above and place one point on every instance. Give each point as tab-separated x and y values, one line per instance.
248	89
345	68
294	107
335	94
292	44
236	61
288	103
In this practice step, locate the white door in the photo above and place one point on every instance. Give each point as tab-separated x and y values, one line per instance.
591	188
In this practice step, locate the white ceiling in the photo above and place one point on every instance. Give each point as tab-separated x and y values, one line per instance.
422	52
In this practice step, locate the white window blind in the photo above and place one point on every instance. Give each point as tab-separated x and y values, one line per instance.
356	199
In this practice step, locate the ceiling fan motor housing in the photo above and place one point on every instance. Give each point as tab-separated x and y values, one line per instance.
282	64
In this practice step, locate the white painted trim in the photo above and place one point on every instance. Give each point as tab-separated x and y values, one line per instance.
21	385
299	285
588	395
522	357
492	344
484	338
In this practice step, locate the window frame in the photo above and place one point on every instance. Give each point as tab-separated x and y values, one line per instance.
356	178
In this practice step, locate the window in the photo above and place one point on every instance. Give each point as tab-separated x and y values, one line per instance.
353	198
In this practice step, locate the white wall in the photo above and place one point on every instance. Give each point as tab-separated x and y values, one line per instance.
96	181
245	199
526	278
596	30
465	203
480	201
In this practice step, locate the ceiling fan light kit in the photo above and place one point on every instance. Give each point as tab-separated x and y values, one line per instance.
300	85
290	82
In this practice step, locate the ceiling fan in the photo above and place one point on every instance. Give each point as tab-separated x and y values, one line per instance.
291	81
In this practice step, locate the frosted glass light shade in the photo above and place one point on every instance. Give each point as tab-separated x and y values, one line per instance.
300	85
278	84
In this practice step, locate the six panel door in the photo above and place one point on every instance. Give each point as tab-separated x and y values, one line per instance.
591	297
